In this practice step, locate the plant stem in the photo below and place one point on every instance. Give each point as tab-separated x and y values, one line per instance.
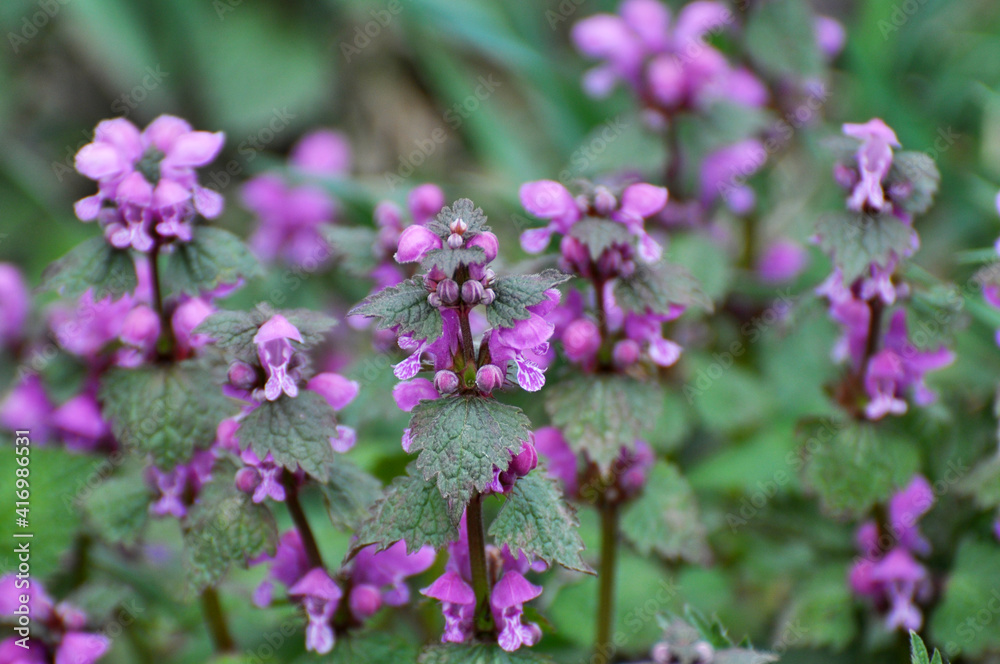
604	647
467	345
301	522
477	561
216	619
674	159
167	348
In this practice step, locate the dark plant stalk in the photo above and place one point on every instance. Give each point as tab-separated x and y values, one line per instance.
167	341
301	522
603	646
477	560
215	617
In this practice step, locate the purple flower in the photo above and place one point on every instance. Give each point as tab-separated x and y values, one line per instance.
458	604
267	482
81	648
141	327
380	577
647	329
319	596
79	423
336	389
408	394
547	199
563	463
287	566
14	304
322	152
724	173
581	340
507	602
414	242
177	486
782	261
874	158
275	350
27	406
830	36
289	220
906	508
149	178
522	343
901	578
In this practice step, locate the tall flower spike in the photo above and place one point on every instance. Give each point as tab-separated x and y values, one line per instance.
275	351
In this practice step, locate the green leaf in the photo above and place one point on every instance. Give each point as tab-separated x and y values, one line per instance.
367	648
983	484
601	234
971	589
919	171
312	325
460	439
918	651
600	414
664	518
515	293
353	248
656	288
856	241
412	509
168	412
212	258
92	264
348	493
233	331
824	603
296	431
463	209
536	520
119	509
480	653
448	260
222	528
857	468
404	305
684	636
781	39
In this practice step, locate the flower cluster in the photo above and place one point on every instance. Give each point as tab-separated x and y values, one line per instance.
148	190
888	573
423	203
291	216
372	579
582	479
667	62
63	626
511	590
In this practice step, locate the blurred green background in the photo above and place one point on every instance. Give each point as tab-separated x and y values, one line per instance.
266	72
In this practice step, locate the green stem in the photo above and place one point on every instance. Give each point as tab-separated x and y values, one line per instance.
604	645
216	619
467	344
674	159
477	561
301	522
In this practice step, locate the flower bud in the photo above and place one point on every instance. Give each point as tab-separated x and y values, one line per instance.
365	600
488	296
604	201
455	241
446	381
247	479
141	327
626	353
458	226
525	461
242	375
489	378
435	300
447	290
472	292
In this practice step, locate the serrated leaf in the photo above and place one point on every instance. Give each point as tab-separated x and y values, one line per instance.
222	528
412	509
824	603
658	288
312	325
448	260
855	241
119	509
212	258
479	653
168	412
348	493
353	247
781	39
404	306
536	520
858	468
367	648
971	588
463	209
92	264
600	414
665	519
296	431
918	651
460	439
233	331
983	484
515	293
921	173
601	234
684	635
